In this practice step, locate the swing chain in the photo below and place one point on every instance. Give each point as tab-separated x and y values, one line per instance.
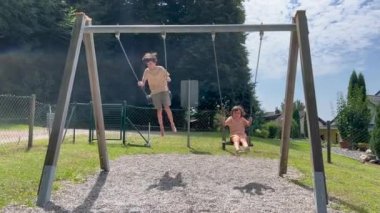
117	36
163	36
258	57
213	36
217	69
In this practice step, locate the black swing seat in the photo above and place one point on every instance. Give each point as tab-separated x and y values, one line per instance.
229	142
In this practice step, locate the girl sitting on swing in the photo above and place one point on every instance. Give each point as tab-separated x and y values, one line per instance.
237	124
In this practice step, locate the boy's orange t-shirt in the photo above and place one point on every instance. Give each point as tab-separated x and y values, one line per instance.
157	79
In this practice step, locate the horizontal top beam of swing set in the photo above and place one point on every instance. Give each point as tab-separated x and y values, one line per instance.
215	28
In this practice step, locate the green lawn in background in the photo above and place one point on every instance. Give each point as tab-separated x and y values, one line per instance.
13	126
352	184
5	127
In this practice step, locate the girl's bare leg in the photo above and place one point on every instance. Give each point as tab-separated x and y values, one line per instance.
235	141
244	143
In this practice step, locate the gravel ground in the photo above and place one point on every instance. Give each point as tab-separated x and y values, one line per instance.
348	153
183	183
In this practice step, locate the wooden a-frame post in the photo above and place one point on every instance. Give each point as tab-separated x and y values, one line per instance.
52	154
299	40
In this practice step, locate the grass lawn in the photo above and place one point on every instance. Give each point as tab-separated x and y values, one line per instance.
352	184
18	127
13	126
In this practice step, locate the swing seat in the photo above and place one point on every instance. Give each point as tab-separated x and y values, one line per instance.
229	141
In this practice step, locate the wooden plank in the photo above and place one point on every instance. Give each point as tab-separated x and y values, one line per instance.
88	39
312	113
289	96
52	153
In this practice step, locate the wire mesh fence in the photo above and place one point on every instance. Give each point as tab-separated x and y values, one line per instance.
23	119
17	112
14	118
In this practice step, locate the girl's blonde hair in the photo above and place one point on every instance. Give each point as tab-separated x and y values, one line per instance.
238	108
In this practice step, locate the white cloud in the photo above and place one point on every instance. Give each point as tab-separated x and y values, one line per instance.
340	32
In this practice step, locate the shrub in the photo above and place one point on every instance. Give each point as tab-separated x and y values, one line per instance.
261	133
295	130
375	139
273	129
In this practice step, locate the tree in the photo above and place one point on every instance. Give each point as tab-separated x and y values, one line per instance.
353	114
375	139
361	84
342	120
298	108
352	84
294	131
34	24
353	118
305	126
40	24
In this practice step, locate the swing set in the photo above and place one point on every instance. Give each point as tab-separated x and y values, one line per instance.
83	30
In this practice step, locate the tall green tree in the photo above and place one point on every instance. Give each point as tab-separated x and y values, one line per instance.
352	84
33	37
43	25
353	114
34	24
362	86
296	126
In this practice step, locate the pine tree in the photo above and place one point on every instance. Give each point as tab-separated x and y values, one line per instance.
361	84
296	122
352	84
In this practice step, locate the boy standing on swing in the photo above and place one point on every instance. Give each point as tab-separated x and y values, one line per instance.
158	78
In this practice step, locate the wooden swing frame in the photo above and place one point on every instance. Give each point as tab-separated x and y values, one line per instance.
83	30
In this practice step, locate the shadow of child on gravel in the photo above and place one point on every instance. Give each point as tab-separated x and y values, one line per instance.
168	183
254	188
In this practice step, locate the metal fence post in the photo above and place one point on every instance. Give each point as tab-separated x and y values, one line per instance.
91	120
32	112
74	125
188	113
123	121
328	124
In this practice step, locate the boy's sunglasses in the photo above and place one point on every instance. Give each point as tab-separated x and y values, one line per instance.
146	60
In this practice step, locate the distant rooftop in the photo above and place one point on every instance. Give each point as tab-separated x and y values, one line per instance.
374	99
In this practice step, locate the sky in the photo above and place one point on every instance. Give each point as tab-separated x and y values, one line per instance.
344	36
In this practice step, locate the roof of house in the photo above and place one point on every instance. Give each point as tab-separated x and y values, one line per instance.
378	93
269	116
374	99
324	123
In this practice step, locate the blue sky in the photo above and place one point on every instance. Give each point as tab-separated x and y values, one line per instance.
344	36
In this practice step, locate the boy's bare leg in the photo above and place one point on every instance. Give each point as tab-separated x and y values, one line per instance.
160	122
170	117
